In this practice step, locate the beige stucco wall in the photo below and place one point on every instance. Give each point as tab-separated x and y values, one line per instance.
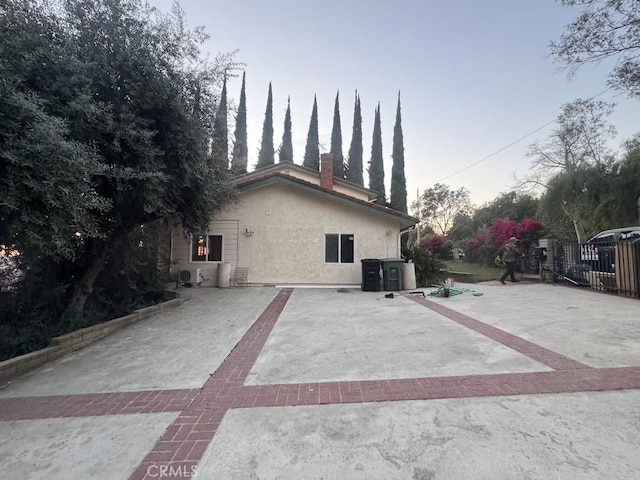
315	179
287	244
351	192
181	250
289	227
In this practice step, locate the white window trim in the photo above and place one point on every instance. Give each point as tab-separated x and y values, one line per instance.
206	262
339	249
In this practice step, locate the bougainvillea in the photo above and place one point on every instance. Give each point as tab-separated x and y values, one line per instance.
484	247
432	243
437	245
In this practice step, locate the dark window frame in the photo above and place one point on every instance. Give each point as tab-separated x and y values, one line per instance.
343	252
203	253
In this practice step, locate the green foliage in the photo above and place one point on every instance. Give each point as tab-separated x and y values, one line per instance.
240	154
439	206
425	230
48	187
312	149
129	281
266	154
579	139
438	245
398	181
624	207
286	149
569	165
430	269
376	164
106	125
590	199
464	227
507	206
355	170
604	29
336	141
27	308
583	197
220	141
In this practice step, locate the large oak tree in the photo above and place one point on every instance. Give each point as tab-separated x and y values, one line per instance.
106	124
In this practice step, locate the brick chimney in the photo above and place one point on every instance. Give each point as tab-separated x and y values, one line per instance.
326	171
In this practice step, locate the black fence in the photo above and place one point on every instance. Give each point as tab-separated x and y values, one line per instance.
612	267
530	263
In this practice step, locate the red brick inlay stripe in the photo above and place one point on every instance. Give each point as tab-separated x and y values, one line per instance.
183	444
95	404
525	347
236	367
426	388
465	386
181	447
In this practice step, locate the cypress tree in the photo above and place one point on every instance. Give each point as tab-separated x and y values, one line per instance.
398	181
286	149
267	154
220	140
376	164
336	141
312	150
240	152
354	172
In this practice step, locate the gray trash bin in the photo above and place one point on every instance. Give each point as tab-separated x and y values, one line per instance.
392	274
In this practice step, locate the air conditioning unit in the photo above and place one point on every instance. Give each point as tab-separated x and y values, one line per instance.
190	278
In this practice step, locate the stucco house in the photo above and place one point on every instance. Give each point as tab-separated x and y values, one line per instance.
292	226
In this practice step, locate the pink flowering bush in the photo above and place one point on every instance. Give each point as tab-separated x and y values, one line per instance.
437	245
432	242
484	247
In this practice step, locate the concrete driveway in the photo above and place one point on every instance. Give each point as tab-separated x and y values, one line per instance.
526	381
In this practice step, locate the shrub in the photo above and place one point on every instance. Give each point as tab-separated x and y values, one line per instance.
430	268
438	245
484	247
31	307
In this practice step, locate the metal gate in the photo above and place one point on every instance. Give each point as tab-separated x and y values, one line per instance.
612	267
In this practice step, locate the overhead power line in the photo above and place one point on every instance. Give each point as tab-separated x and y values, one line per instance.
508	146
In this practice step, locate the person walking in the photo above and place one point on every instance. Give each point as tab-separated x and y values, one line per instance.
510	255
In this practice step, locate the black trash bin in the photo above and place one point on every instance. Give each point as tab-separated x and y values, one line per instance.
392	274
371	275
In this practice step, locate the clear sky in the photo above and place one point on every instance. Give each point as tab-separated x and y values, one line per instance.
474	76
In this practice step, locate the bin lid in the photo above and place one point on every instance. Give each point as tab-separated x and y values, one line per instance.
370	260
384	260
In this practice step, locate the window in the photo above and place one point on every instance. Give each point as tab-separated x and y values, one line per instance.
338	248
630	235
206	248
604	238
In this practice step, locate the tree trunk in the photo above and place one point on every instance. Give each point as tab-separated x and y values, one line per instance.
581	236
577	225
162	241
82	290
